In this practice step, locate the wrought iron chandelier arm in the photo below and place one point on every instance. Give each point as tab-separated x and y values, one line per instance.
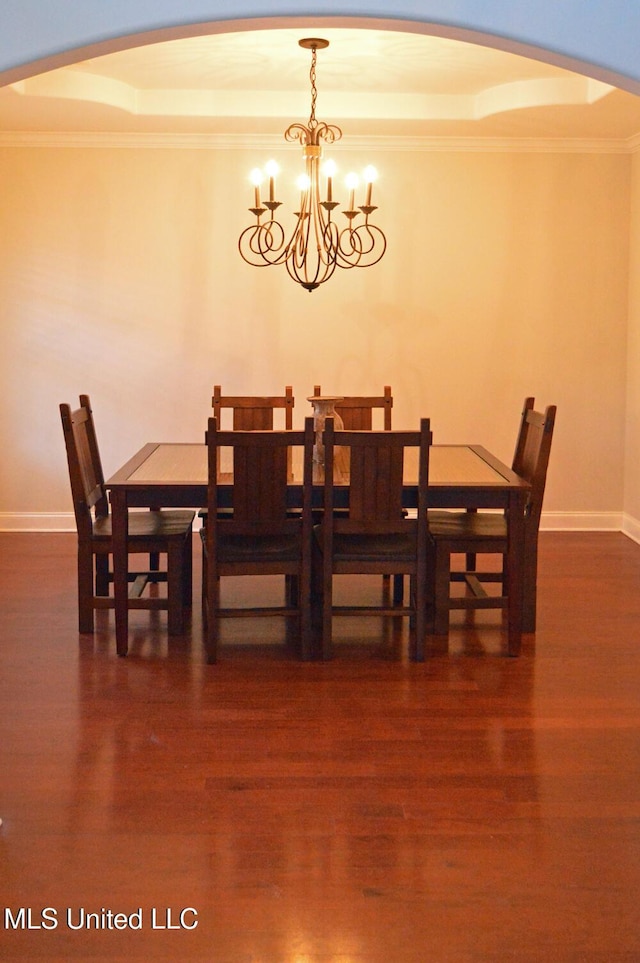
362	246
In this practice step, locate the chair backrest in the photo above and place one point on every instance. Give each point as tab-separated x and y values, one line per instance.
376	475
531	459
261	477
85	466
521	439
253	412
356	411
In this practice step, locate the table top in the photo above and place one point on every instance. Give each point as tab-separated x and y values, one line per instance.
184	464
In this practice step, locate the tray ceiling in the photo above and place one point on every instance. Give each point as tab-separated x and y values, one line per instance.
371	82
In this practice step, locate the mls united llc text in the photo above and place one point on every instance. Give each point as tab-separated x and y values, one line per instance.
78	918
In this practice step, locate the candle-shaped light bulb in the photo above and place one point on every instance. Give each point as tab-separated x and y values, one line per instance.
256	179
272	170
303	183
370	175
329	171
351	181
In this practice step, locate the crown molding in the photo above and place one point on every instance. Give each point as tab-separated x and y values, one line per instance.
160	141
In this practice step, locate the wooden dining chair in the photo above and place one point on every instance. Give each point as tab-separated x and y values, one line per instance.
250	413
151	533
357	414
253	412
260	535
357	411
473	533
376	536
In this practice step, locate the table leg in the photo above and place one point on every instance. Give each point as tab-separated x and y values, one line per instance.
119	530
515	569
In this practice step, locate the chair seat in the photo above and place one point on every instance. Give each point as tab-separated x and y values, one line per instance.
467	525
145	525
256	548
385	548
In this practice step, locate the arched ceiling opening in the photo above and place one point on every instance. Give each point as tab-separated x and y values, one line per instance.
376	78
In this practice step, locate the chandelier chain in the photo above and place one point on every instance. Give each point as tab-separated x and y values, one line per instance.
314	91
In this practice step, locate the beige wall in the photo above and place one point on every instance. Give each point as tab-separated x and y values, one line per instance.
632	468
506	274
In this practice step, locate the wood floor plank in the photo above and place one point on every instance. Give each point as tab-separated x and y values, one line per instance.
473	809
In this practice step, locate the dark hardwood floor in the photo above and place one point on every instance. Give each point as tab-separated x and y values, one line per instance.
367	810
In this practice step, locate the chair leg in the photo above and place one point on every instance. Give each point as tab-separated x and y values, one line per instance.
85	589
412	602
175	587
297	598
316	603
398	589
418	596
102	575
211	604
297	625
293	621
529	586
291	591
187	572
306	631
441	589
327	618
203	587
325	605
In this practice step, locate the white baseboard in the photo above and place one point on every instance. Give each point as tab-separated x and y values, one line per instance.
631	527
551	522
37	522
581	522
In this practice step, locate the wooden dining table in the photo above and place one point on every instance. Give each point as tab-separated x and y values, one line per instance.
168	475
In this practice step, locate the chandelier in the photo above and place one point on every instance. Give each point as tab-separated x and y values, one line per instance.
317	245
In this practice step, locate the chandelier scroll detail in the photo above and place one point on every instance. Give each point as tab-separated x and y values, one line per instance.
316	245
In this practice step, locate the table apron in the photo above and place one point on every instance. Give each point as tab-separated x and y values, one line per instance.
195	496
